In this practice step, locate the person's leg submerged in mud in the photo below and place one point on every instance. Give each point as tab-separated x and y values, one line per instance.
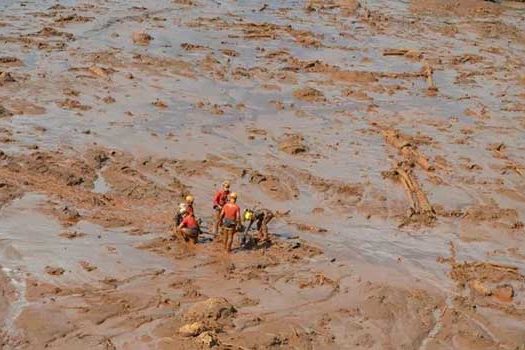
189	228
231	220
217	229
219	200
190	235
228	239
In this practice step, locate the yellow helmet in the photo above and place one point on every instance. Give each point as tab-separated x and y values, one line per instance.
233	195
189	199
248	215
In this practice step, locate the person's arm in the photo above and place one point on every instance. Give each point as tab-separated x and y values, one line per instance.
182	224
248	227
197	222
238	216
216	199
221	216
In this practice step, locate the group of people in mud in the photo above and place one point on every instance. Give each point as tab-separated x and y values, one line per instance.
227	220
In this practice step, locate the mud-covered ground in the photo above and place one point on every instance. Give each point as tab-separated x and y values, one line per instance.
388	137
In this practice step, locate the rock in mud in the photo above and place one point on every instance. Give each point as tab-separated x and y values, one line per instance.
6	77
347	6
485	272
278	187
409	53
213	308
71	234
54	270
141	38
468	8
52	32
310	228
193	47
5	112
10	61
71	104
309	94
490	213
193	329
20	106
503	293
86	265
208	339
108	100
8	192
159	103
292	144
184	2
478	287
101	72
68	213
73	18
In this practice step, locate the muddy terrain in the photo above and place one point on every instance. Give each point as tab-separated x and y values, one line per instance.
387	136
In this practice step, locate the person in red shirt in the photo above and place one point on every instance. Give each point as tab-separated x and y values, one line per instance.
230	219
219	200
186	206
189	228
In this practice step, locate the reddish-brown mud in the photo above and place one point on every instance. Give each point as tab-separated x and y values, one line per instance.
387	138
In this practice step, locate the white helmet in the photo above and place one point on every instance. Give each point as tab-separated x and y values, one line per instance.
183	207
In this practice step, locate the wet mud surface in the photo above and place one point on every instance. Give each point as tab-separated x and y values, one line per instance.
387	136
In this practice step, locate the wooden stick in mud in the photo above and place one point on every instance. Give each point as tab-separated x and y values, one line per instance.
418	197
410	194
409	151
516	168
395	52
511	269
414	155
428	72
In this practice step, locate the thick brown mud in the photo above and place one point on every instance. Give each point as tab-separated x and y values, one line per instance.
387	137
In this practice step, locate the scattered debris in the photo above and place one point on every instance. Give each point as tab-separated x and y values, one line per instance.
309	94
141	38
54	271
292	144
